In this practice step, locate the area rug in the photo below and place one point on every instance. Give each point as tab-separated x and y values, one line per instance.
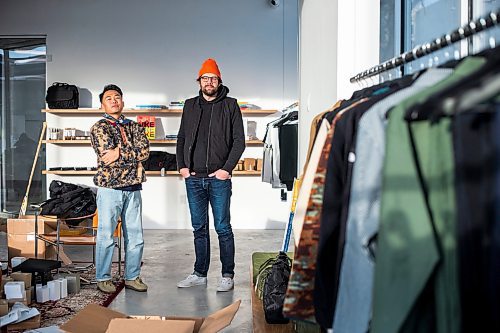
59	312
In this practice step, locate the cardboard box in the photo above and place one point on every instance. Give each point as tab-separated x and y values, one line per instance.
24	325
119	325
21	237
5	279
249	164
259	164
97	319
240	166
13	301
4	307
25	277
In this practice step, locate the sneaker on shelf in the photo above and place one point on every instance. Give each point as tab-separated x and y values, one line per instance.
191	281
136	285
225	284
106	286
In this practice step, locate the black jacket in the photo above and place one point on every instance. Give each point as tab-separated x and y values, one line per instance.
226	138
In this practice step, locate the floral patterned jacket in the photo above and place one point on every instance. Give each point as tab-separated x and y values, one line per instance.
134	148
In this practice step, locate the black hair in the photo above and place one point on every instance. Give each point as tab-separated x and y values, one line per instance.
110	87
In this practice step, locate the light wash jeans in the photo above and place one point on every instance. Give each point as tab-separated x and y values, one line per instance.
112	204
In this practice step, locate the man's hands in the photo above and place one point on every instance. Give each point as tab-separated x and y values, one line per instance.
110	155
220	174
184	172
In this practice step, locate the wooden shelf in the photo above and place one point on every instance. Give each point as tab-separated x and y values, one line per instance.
152	142
145	111
254	142
149	173
125	111
68	142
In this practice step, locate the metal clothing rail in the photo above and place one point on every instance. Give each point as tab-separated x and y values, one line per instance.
420	51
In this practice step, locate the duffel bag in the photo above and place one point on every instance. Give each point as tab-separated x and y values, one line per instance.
62	96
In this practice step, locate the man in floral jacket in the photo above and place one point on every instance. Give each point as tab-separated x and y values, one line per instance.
121	146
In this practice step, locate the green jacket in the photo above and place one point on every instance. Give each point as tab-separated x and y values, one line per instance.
412	259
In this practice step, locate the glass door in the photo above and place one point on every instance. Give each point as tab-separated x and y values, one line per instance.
22	86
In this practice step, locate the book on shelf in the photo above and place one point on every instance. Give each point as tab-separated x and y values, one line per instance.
151	106
149	124
176	105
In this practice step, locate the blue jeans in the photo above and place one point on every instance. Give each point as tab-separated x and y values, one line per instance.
201	192
112	204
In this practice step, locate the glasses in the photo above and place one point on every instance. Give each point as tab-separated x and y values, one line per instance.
209	78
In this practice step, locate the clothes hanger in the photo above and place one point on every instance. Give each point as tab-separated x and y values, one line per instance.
432	108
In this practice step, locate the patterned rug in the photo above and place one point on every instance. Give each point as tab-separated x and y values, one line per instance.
59	312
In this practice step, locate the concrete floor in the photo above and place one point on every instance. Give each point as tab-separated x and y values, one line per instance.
169	257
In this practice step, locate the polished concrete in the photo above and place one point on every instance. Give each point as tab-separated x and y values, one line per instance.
169	257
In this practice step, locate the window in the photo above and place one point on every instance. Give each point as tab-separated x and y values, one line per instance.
424	21
405	24
491	37
22	86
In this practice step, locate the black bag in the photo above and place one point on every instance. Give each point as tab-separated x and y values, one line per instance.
160	159
62	96
69	201
274	289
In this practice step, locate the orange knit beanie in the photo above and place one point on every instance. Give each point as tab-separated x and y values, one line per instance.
209	66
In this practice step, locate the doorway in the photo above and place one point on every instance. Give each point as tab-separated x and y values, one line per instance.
22	86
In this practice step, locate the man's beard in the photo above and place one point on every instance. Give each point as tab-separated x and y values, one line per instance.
211	93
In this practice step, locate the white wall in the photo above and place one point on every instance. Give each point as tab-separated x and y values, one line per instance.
153	50
338	39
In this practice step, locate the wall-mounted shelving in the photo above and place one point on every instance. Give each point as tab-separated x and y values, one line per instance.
152	142
146	111
148	173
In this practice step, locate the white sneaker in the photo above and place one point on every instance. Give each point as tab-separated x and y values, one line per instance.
225	284
191	281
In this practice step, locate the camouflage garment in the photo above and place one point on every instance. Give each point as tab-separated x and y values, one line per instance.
299	303
134	148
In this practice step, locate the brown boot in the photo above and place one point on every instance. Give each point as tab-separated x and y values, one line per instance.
106	286
136	285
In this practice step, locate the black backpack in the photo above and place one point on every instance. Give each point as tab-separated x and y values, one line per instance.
274	289
62	96
160	159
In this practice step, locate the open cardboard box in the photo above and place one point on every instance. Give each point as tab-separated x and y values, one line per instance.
21	237
26	324
97	319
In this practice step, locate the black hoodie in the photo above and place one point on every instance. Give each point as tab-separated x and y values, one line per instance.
211	135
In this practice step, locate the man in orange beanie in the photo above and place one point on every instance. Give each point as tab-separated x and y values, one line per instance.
209	145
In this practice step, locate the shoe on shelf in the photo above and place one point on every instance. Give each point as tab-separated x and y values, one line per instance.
192	280
136	285
225	284
106	286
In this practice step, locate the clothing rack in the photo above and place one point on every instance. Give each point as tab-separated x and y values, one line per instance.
420	51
